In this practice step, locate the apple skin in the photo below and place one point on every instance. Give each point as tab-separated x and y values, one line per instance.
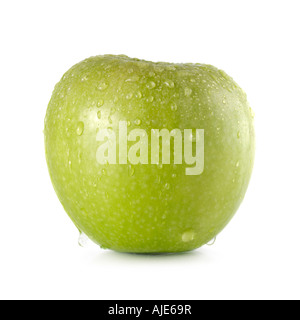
148	208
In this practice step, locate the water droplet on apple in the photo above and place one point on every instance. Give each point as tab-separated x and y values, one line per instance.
167	186
84	78
188	236
139	95
99	115
100	103
237	164
212	242
238	134
130	171
151	85
80	128
150	99
137	122
79	157
103	86
83	239
188	91
170	84
133	79
174	107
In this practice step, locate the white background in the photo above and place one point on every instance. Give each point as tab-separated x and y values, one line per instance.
256	42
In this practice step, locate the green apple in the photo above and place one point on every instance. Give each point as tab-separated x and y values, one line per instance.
135	204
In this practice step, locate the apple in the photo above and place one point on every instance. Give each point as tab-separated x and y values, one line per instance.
149	157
